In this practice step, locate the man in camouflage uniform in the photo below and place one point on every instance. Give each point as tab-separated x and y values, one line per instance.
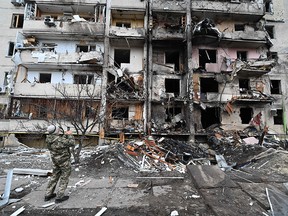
59	147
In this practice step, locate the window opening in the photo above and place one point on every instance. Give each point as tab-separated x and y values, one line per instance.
208	85
278	118
239	27
172	57
121	56
206	56
83	79
272	55
17	20
171	112
123	24
85	48
242	55
45	78
210	116
172	86
270	31
244	86
275	86
120	113
11	48
246	114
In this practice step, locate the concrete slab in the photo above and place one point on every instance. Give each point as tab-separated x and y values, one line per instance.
127	197
231	202
124	183
90	198
206	176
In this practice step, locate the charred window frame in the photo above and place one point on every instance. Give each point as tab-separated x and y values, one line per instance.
208	85
278	118
45	78
210	116
242	55
123	24
270	30
172	57
119	113
275	86
85	48
11	49
244	86
17	21
121	56
172	86
83	79
239	27
171	112
207	56
246	114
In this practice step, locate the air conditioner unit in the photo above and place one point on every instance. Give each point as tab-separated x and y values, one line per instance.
17	2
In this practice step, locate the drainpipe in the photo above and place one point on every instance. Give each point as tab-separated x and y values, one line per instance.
190	72
103	107
149	74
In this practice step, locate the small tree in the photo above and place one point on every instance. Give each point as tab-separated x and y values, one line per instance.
79	108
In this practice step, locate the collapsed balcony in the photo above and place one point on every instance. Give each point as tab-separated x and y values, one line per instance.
173	5
246	10
168	26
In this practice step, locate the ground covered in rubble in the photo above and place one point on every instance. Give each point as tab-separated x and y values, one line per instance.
164	159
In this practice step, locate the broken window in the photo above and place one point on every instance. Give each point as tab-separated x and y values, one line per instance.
121	56
172	86
210	116
208	85
120	113
246	114
269	6
85	48
42	112
272	55
123	24
45	78
206	56
275	86
171	112
17	21
172	57
242	55
270	31
239	27
278	118
11	48
244	86
83	79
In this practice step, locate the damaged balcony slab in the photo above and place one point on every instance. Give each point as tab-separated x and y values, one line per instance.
174	5
246	11
253	68
126	32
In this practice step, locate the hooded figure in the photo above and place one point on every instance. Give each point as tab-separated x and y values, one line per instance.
59	147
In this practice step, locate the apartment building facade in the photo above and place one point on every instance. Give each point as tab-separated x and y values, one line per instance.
163	68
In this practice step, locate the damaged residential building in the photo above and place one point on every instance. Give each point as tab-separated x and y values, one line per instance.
150	67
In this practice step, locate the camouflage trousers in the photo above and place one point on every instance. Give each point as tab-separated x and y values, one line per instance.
61	173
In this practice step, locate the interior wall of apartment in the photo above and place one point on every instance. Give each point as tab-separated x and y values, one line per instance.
135	23
136	58
56	76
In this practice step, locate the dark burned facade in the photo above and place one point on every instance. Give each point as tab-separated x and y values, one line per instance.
163	68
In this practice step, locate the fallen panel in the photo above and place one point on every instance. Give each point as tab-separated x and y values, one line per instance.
231	201
206	176
37	172
278	201
5	198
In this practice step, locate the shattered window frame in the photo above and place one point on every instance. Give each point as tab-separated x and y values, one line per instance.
270	30
123	56
83	79
242	55
120	113
278	118
275	87
243	114
17	20
207	56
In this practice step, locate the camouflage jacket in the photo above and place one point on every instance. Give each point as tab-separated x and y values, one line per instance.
58	146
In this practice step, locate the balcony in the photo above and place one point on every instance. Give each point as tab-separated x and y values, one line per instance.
34	57
47	90
127	32
128	4
64	30
238	10
169	6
